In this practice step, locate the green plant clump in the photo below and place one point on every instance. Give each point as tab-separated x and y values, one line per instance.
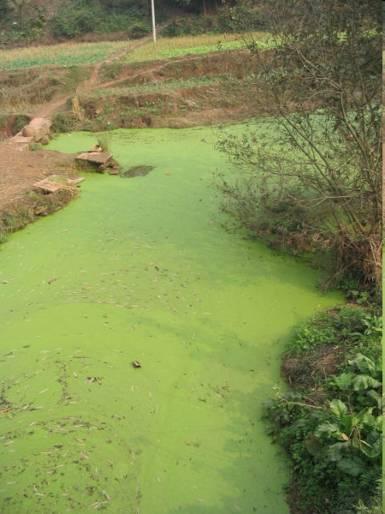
330	422
82	17
63	122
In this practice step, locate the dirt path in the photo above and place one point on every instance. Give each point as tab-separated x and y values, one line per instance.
47	110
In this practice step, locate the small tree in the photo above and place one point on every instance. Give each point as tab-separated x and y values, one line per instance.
3	9
19	7
323	83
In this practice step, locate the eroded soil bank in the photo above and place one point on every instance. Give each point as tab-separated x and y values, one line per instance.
142	269
20	169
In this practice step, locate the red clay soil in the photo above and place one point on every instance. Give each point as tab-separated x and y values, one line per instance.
20	168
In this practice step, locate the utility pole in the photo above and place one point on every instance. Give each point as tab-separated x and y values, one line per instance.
153	21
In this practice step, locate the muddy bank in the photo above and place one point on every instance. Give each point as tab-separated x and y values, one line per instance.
32	206
20	169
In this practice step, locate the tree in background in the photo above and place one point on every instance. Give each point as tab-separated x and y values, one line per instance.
3	8
121	6
200	6
320	181
19	8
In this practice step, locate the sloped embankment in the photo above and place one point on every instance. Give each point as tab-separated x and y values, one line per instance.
20	202
182	92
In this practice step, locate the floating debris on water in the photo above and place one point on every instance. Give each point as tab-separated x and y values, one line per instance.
136	171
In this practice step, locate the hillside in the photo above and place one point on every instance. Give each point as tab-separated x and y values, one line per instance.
98	86
27	22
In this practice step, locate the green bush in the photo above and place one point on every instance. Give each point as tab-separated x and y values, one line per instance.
21	120
349	327
332	428
75	19
138	29
63	122
81	17
376	507
228	19
191	25
30	29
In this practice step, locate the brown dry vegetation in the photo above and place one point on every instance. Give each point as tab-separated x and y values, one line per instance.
30	91
179	92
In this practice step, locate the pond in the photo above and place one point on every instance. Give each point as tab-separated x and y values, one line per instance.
142	269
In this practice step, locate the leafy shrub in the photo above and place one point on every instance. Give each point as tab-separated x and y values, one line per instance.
376	506
21	120
30	28
244	16
81	17
228	19
104	142
348	326
332	429
63	122
138	29
75	19
191	25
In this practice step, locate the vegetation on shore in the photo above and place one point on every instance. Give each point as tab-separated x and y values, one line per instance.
31	206
330	421
312	185
315	185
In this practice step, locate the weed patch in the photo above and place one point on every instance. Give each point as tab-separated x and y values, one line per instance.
330	422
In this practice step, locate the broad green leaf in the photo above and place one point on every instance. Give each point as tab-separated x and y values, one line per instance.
351	466
364	382
338	408
344	381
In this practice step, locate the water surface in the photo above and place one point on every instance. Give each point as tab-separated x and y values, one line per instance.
142	269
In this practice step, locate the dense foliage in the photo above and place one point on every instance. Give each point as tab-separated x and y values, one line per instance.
81	17
330	422
28	21
24	21
4	6
227	19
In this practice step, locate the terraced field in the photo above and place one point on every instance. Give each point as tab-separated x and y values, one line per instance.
73	54
66	54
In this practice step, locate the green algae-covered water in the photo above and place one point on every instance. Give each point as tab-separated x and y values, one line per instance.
142	269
